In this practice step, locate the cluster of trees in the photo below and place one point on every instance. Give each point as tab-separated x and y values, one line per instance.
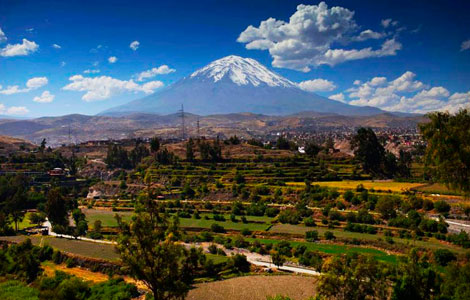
356	276
118	157
375	159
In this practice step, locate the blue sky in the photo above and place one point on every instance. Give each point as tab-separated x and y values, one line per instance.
397	55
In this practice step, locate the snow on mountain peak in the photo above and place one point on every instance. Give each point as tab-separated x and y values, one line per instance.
242	71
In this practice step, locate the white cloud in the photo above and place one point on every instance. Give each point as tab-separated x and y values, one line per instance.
62	64
307	38
37	82
112	59
45	97
91	71
388	22
31	84
405	94
369	34
104	87
338	97
25	48
56	46
13	110
317	85
134	45
357	82
163	69
465	45
3	37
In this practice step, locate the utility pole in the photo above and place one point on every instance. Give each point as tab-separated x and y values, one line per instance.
198	135
182	122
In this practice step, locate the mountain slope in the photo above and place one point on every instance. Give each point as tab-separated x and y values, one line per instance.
233	85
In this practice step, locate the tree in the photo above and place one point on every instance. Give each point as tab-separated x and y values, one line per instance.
353	277
154	144
448	148
37	218
149	252
386	206
312	149
81	225
368	150
42	147
277	258
56	207
416	279
190	150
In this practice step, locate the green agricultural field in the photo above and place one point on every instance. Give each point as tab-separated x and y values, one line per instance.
431	244
108	219
201	223
77	247
336	249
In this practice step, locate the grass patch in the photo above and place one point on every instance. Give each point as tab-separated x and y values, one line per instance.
16	290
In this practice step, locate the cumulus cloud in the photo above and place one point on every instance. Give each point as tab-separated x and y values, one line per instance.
56	46
31	84
134	45
317	85
45	97
37	82
405	94
163	69
104	87
13	110
92	71
3	37
23	49
465	45
338	97
112	59
309	37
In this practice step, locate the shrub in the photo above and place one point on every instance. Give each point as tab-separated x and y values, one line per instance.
309	222
311	236
217	228
329	235
245	232
212	249
442	206
443	256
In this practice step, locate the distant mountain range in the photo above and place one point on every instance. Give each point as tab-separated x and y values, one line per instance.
236	85
84	128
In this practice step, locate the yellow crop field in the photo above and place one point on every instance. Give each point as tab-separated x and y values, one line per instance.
368	184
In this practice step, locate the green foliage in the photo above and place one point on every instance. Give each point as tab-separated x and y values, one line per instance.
353	277
148	250
448	148
416	279
57	207
16	290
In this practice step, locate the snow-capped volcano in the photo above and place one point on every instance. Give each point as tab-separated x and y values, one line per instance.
232	85
241	71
